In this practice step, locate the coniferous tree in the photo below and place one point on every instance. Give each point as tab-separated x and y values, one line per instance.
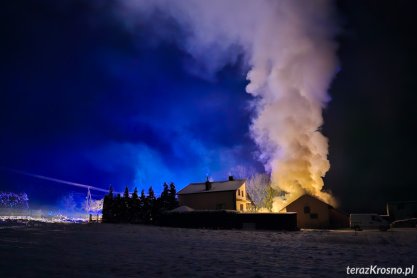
142	197
108	206
151	194
126	193
118	208
142	206
172	197
163	200
126	212
150	206
135	207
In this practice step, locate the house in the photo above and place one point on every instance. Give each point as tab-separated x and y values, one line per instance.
402	210
223	195
313	213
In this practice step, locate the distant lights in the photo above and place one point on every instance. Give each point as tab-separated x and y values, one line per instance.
14	200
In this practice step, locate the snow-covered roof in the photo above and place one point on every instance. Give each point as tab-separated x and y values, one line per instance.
182	209
215	187
310	197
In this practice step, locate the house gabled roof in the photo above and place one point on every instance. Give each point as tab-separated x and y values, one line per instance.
306	195
317	199
215	187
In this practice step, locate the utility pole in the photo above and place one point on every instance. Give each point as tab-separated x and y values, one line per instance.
89	201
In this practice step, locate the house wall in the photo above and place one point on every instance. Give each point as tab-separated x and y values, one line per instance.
241	200
338	219
208	200
308	219
234	200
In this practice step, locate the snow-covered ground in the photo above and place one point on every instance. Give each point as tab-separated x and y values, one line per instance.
110	250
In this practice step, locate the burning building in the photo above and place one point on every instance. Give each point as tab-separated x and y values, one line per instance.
312	213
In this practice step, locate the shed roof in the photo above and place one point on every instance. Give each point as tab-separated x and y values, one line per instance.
182	209
215	187
308	196
317	199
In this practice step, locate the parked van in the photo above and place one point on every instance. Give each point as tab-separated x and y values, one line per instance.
368	221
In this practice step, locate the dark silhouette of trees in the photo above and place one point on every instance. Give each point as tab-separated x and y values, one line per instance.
108	206
164	199
135	207
118	208
125	206
138	209
172	197
150	206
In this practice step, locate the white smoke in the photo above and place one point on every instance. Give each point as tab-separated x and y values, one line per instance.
289	48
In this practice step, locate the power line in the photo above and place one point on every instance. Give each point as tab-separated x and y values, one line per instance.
56	180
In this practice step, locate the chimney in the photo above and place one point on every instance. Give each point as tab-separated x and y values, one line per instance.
231	178
208	184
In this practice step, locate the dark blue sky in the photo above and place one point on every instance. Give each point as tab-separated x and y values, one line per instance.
86	100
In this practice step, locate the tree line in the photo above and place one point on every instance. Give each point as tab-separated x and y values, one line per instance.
138	209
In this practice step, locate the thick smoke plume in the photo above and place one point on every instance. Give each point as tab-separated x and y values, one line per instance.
290	53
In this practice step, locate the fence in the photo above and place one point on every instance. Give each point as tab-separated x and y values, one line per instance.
230	220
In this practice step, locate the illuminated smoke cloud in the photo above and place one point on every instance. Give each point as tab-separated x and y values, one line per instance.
290	53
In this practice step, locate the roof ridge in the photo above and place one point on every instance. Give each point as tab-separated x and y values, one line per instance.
217	181
217	186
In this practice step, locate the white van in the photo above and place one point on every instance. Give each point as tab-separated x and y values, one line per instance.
368	221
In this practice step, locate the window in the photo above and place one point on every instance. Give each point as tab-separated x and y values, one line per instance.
306	209
314	216
243	193
241	207
238	192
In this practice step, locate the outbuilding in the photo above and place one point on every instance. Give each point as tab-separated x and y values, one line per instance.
312	213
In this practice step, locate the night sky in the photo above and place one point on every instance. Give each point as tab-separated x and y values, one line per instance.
86	99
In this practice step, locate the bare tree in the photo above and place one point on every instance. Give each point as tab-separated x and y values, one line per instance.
259	189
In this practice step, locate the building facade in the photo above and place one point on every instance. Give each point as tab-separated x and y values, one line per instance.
223	195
